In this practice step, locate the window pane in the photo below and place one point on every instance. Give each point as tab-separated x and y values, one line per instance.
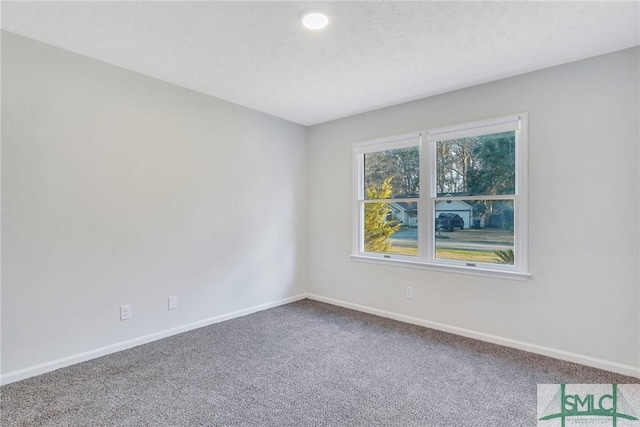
481	165
392	173
474	231
391	228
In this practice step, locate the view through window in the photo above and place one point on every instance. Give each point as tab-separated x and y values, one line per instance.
452	196
480	173
391	226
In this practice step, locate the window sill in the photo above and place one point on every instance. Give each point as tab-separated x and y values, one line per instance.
483	272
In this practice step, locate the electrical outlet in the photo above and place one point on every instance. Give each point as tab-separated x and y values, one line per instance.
173	303
409	293
125	312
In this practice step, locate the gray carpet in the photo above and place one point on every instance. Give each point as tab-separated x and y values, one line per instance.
303	364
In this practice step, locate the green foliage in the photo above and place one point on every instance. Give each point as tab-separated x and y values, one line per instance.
476	165
507	219
505	257
402	164
377	227
494	169
454	165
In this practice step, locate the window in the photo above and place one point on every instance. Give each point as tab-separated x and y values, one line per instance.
452	198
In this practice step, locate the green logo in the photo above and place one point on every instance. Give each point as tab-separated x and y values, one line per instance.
609	405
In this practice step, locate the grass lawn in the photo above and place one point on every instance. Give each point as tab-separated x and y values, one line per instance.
468	255
459	254
402	250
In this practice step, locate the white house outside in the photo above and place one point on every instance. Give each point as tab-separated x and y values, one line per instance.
405	212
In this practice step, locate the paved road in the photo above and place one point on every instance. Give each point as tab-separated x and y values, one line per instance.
406	234
440	244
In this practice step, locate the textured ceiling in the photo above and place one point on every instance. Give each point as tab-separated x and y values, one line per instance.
372	54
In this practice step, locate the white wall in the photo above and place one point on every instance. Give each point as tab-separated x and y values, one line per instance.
118	188
583	155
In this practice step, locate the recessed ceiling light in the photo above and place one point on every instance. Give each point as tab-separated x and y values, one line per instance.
315	21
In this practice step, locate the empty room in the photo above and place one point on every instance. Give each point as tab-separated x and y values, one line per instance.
341	213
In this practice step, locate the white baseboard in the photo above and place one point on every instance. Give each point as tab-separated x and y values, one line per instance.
123	345
606	365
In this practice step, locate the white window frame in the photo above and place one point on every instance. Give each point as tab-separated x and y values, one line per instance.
426	141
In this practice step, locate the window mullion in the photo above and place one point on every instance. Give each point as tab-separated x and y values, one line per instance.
425	219
358	206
